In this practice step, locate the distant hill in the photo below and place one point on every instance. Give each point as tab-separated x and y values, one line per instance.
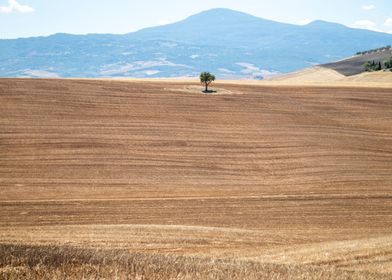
229	43
355	65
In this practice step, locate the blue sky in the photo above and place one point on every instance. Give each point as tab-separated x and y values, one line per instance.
25	18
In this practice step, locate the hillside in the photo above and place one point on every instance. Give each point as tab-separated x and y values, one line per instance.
322	76
156	179
237	45
355	65
317	74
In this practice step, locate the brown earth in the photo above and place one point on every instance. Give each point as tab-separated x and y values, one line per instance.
293	175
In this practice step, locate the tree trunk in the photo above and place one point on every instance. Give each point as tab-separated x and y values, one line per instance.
206	88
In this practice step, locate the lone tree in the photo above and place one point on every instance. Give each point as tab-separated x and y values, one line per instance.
206	78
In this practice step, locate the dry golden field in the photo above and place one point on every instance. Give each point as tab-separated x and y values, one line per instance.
154	180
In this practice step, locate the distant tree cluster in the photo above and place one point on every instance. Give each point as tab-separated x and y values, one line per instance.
375	50
388	64
371	66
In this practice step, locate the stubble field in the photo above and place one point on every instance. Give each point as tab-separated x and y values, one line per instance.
154	180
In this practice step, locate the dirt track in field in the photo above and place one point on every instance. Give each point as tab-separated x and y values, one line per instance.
250	175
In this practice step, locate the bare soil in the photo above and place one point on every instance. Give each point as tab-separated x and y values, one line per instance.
290	175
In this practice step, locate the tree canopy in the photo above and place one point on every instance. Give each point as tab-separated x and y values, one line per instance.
206	78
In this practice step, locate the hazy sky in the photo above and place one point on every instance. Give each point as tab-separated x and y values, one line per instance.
24	18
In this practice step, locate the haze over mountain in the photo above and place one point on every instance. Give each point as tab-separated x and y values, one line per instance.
229	43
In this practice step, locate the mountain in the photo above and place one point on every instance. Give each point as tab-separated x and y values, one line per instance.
219	27
229	43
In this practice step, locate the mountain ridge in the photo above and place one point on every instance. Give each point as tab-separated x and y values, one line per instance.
237	45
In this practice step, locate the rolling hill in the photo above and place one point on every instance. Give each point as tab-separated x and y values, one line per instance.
355	65
237	45
153	178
